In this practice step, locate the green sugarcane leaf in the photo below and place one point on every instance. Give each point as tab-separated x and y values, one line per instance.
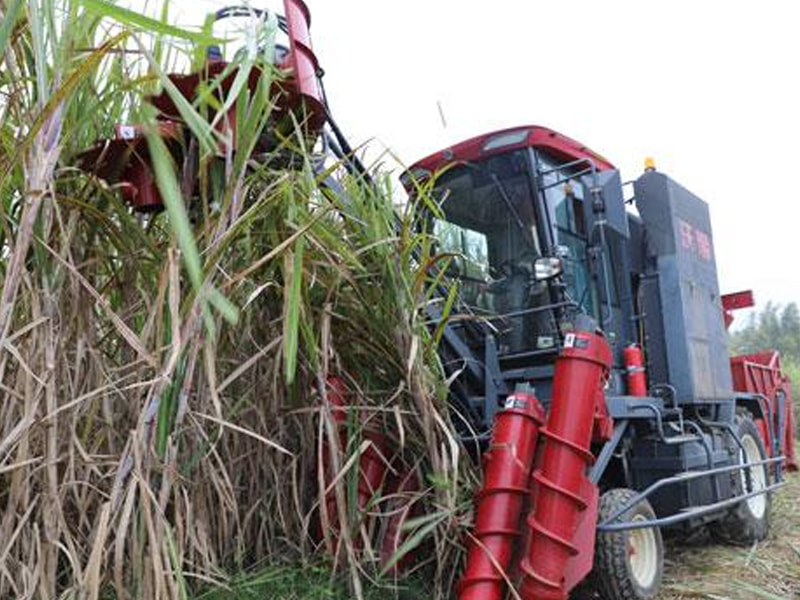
293	262
173	201
179	221
7	26
413	541
448	307
224	306
141	22
200	52
198	125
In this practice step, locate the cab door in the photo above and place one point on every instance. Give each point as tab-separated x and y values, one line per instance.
564	200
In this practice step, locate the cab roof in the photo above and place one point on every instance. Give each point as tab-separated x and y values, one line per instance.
503	140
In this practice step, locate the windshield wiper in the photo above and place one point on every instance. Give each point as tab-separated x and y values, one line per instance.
502	190
504	195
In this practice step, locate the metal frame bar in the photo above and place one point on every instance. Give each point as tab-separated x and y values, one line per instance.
691	514
607	452
591	167
610	525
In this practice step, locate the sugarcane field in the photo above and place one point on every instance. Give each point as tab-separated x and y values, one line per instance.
307	300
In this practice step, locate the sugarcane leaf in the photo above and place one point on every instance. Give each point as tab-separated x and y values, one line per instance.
141	22
200	52
224	306
413	541
448	307
293	267
7	26
196	123
179	221
167	183
86	69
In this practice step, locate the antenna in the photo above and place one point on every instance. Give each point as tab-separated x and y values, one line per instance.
441	114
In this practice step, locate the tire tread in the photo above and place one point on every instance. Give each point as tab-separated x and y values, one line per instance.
738	526
610	575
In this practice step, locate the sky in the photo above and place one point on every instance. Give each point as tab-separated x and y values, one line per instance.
709	89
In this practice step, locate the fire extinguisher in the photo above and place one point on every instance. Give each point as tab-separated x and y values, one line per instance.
636	376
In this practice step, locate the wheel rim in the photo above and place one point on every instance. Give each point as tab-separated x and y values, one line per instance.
643	554
757	504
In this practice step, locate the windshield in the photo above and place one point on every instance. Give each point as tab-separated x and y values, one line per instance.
489	222
489	215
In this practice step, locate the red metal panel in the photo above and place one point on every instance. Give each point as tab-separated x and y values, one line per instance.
139	186
401	489
580	565
372	464
761	373
738	300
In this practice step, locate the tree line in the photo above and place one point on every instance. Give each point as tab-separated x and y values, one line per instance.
775	327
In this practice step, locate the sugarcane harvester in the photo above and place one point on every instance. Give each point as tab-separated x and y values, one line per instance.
588	362
591	369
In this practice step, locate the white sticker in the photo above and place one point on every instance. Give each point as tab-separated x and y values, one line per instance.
569	340
126	132
545	341
516	402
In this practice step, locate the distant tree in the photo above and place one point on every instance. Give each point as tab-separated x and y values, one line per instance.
790	331
775	327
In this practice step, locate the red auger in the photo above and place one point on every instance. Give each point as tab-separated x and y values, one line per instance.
338	408
507	470
372	462
561	489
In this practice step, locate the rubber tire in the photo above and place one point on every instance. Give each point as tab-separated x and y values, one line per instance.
740	526
612	576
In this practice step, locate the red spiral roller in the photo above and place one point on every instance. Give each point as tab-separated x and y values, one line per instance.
507	470
372	466
560	483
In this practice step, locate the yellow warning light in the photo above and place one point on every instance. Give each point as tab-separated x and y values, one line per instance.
649	164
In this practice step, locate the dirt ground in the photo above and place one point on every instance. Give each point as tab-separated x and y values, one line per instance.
770	570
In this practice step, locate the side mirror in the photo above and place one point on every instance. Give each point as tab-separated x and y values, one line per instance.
547	267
